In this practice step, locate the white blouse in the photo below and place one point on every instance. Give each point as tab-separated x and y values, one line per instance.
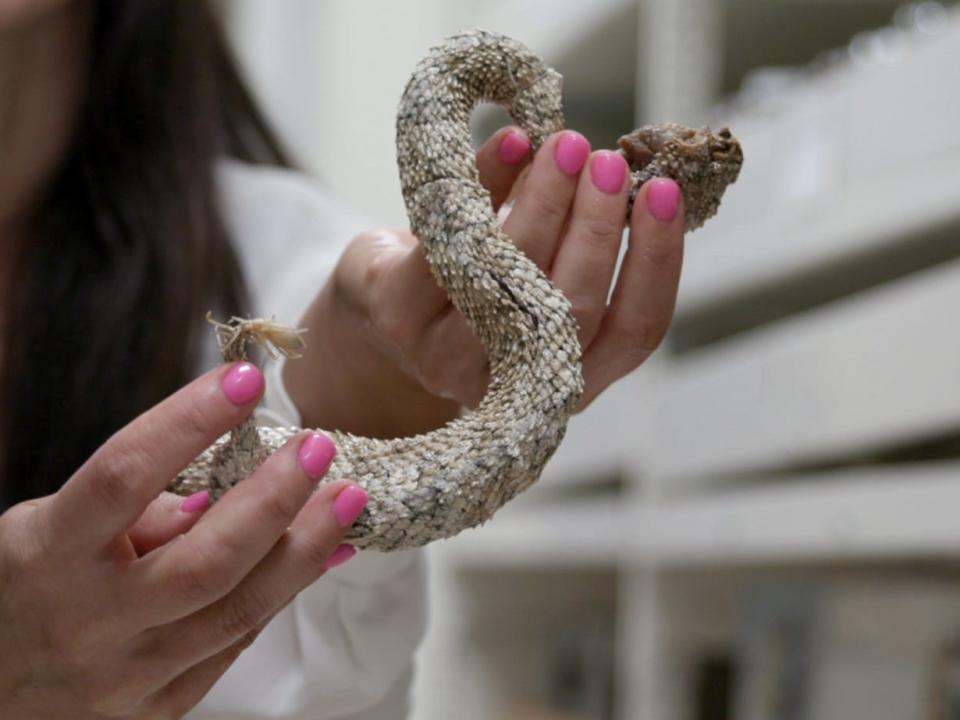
344	647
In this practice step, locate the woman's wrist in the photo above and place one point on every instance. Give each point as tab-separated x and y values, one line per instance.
346	381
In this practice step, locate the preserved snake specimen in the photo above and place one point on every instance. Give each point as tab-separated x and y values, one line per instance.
436	484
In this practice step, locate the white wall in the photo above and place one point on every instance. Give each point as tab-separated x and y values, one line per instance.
330	73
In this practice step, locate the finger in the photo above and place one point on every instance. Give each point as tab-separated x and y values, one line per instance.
451	361
236	534
542	205
405	305
646	292
405	296
587	258
501	160
113	488
312	544
165	518
186	691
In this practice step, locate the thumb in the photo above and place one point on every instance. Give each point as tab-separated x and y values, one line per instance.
165	518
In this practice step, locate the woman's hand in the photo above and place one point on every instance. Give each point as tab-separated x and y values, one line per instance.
107	610
405	359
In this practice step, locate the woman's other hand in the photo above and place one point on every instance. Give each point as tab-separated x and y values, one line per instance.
405	359
115	601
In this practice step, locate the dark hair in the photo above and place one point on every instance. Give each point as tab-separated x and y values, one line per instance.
128	250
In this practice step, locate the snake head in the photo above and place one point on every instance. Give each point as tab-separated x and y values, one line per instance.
702	162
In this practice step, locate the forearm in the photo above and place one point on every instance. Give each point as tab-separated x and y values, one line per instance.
345	381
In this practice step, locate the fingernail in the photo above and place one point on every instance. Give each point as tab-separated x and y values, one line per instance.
315	455
514	148
349	504
197	502
663	199
571	152
243	383
343	553
607	171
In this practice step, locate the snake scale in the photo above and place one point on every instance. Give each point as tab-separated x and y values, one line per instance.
436	484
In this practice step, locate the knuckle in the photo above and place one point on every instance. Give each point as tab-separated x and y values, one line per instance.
279	504
316	549
442	376
585	307
390	320
402	236
194	421
638	343
378	250
243	643
549	205
114	697
600	232
452	365
386	236
436	388
203	578
42	541
662	255
433	378
244	613
117	471
194	585
376	267
22	553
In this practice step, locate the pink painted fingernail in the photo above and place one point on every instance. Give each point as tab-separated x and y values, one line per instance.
571	152
607	171
514	148
243	383
197	502
315	455
663	199
343	553
349	504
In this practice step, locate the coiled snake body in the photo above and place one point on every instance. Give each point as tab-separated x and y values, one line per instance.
434	485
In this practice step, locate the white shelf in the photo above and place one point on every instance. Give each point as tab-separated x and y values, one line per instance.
878	368
827	175
584	533
869	514
883	514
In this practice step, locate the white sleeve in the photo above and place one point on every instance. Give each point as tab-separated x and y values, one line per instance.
343	649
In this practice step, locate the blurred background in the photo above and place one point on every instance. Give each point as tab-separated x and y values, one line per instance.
764	522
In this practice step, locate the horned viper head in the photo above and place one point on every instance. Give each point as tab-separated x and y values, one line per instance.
702	162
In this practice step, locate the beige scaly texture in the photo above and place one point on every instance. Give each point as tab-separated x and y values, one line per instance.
437	484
